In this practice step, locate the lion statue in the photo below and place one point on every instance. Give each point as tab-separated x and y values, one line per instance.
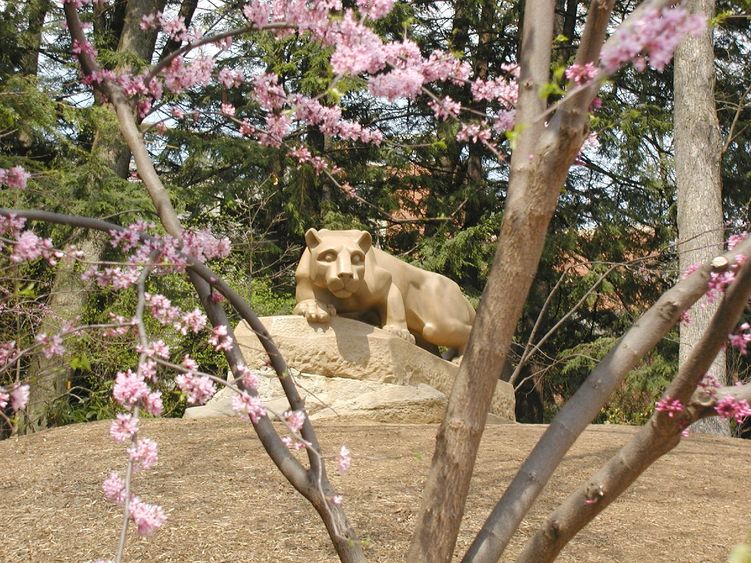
341	273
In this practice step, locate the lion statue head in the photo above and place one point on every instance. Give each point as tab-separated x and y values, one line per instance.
338	259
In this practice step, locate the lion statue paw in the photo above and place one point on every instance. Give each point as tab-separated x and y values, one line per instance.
400	332
315	311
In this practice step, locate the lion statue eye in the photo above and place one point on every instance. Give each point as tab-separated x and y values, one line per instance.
357	258
328	257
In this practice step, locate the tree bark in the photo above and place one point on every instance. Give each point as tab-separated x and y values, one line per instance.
698	154
36	12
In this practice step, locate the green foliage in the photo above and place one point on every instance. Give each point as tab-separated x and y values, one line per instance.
633	402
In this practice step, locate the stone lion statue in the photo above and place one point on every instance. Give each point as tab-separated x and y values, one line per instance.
341	273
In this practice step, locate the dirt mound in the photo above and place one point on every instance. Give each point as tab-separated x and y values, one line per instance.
227	502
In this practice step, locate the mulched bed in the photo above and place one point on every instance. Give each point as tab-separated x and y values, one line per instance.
227	502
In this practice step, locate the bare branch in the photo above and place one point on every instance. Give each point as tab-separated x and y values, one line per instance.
578	411
657	437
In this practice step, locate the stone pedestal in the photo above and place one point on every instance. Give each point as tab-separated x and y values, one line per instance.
360	369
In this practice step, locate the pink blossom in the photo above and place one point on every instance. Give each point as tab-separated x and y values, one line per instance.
734	240
52	346
15	177
143	454
219	339
30	247
203	245
198	389
229	78
4	397
123	427
153	403
344	460
7	352
292	443
130	388
114	488
398	83
246	405
295	419
730	407
504	121
193	321
155	349
83	47
149	21
249	377
445	108
19	397
148	518
668	405
656	34
375	9
474	132
228	110
581	74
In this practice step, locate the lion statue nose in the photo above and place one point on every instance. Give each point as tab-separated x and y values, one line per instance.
345	275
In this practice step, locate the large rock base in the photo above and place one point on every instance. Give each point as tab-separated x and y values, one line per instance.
360	370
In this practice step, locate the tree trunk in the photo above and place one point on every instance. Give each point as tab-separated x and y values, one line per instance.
698	153
35	13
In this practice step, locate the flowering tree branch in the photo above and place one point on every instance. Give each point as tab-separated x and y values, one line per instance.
660	435
340	531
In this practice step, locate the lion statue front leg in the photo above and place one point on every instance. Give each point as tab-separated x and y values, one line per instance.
394	317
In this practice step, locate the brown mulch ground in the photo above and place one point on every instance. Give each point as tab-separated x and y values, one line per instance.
227	502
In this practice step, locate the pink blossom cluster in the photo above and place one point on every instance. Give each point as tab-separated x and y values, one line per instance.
250	378
329	120
473	132
154	349
669	406
302	155
147	517
143	454
740	339
655	35
51	345
445	108
220	339
294	419
344	460
246	404
15	177
131	390
229	78
124	427
12	225
505	91
734	240
28	246
581	74
17	396
8	352
83	48
198	388
730	407
166	313
169	253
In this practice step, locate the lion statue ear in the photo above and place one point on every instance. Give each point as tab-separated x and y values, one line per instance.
311	238
365	241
